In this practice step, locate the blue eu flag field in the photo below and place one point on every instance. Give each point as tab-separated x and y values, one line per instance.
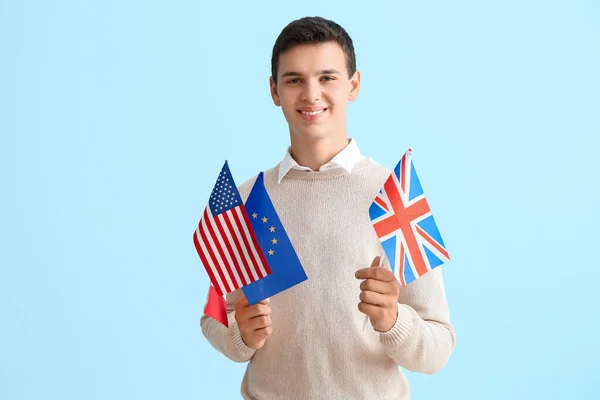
286	270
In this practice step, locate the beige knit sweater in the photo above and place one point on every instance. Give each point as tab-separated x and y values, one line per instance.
318	349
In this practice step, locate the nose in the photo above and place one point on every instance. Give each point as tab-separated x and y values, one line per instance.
311	91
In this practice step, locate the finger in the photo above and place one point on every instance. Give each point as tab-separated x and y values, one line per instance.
377	286
260	322
263	333
371	310
376	299
242	302
377	273
256	310
265	301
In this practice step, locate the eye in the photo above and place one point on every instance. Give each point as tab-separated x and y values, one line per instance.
329	78
292	81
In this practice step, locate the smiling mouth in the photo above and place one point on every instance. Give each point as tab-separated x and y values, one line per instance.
312	113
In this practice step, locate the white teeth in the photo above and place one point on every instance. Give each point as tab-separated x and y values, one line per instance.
312	112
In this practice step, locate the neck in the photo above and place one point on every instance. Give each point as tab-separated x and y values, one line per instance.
315	153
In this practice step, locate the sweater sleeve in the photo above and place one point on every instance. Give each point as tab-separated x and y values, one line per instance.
422	338
228	341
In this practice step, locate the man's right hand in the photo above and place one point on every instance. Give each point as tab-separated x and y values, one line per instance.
253	321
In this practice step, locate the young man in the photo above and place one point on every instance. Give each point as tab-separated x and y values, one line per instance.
308	342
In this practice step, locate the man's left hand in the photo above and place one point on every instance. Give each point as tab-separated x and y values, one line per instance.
379	296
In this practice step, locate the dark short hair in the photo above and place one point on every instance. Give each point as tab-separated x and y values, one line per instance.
313	30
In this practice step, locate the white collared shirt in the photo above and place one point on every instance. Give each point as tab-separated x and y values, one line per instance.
346	159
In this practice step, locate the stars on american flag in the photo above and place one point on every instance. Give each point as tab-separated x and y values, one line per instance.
224	195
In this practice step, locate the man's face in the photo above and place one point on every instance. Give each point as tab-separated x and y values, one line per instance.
313	90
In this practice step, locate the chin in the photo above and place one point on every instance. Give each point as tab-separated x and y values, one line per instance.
310	134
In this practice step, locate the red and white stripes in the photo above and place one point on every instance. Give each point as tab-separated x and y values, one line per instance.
229	250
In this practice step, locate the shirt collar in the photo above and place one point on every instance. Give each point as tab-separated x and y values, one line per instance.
346	159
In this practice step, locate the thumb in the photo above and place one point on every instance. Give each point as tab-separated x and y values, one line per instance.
242	301
375	262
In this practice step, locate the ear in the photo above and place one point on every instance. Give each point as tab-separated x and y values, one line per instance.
354	86
274	94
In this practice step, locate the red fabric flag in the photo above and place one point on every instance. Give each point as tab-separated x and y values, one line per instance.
216	306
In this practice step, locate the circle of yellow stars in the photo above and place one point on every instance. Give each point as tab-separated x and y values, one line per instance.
271	229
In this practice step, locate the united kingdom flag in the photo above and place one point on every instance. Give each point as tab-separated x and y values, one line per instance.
405	226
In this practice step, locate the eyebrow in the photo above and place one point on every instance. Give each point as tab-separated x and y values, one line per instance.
322	72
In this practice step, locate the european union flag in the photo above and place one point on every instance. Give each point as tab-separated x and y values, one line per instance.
286	270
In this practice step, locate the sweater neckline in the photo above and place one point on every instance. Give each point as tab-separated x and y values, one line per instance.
327	174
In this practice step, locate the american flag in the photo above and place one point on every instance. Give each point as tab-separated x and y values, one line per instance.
225	240
405	226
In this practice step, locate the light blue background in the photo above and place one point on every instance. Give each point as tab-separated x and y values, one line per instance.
115	119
